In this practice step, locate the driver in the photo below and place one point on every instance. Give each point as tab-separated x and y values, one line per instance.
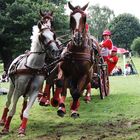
106	44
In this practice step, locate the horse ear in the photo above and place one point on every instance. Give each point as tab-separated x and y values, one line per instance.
84	7
39	25
70	6
41	13
51	13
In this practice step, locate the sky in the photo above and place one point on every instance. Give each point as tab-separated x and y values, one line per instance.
118	6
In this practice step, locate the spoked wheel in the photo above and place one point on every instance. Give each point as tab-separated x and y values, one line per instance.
101	83
106	82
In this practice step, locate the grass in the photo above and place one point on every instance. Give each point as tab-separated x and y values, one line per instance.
115	117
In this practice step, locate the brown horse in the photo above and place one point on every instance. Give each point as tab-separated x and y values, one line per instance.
77	65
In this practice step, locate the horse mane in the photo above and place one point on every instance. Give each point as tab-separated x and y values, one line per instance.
34	37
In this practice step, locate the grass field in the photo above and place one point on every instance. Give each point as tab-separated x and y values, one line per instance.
117	117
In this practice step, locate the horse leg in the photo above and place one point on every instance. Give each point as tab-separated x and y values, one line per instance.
23	124
76	93
88	93
16	96
33	93
75	104
40	94
24	105
62	110
8	102
45	99
56	99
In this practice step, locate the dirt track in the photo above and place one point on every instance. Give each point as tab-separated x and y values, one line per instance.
119	130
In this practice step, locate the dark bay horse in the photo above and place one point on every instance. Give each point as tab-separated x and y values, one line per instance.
77	65
27	73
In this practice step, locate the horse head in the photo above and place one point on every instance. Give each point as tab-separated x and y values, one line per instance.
46	18
48	40
77	23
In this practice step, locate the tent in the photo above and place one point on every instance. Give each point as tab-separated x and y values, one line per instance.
124	52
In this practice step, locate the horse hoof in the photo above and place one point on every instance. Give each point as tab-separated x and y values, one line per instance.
4	131
54	102
21	135
61	112
2	122
75	115
47	103
44	101
21	132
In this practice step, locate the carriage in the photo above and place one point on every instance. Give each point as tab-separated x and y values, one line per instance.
100	80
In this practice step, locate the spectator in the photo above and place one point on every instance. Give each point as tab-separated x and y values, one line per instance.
116	71
119	70
112	60
128	68
106	44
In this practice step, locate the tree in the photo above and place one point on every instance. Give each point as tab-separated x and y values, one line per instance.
125	28
16	20
135	46
5	53
58	2
98	19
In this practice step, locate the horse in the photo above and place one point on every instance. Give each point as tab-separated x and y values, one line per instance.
28	73
77	66
51	80
46	21
44	98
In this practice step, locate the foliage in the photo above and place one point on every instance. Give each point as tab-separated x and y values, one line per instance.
58	2
17	20
98	19
125	28
135	46
2	5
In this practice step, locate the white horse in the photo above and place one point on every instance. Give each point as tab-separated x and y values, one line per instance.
27	74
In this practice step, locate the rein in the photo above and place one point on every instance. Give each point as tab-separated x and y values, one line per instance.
64	43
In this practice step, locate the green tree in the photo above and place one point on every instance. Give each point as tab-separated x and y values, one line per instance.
135	46
98	19
58	2
125	28
16	21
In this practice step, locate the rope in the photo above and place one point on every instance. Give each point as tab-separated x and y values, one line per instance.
62	36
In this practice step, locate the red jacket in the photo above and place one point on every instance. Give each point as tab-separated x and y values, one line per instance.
107	44
111	65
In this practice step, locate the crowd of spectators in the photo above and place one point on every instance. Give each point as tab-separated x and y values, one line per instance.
127	71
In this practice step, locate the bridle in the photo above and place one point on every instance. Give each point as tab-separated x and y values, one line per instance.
44	46
46	17
78	32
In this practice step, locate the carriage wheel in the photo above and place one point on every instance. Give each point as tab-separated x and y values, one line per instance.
106	82
101	83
